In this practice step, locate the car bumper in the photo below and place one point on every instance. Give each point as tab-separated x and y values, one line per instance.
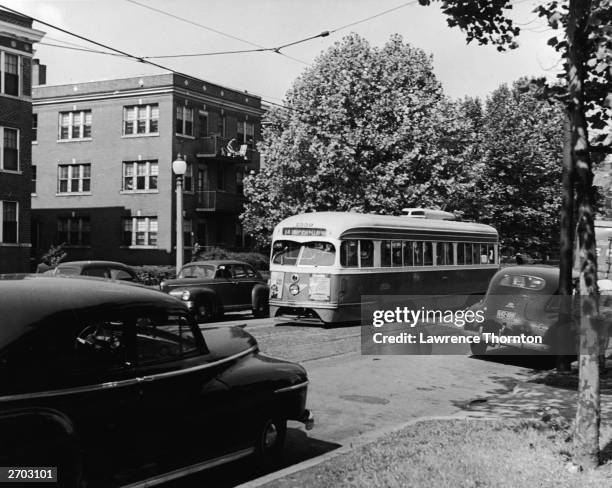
308	419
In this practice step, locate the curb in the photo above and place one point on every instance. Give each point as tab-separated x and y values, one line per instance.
351	444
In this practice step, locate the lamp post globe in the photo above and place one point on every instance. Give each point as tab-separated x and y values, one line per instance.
179	168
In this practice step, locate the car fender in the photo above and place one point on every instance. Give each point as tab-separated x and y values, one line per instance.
259	290
38	424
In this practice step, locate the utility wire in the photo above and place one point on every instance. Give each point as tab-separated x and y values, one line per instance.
202	26
385	12
84	49
122	53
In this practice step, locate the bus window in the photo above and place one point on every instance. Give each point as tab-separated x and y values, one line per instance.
418	254
439	254
366	253
427	253
448	251
475	253
285	252
396	253
468	253
460	253
385	253
491	253
348	254
317	254
408	254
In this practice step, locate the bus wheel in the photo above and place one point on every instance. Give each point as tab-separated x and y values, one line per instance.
478	348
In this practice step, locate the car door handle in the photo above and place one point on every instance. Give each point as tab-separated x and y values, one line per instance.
144	379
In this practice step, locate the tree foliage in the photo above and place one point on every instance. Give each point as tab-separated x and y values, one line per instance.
518	169
361	123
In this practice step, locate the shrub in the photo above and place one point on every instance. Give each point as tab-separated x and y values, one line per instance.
154	275
259	261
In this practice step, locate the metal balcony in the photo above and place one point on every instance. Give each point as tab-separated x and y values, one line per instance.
214	201
226	148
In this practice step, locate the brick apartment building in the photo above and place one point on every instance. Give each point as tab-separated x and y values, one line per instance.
16	45
102	160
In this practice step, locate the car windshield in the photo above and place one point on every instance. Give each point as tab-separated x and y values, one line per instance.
315	253
197	271
67	270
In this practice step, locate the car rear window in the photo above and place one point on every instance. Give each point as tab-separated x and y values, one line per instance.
524	282
67	270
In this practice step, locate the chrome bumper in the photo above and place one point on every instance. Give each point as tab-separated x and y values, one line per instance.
308	419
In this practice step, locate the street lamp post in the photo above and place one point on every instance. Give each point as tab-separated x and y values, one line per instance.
179	167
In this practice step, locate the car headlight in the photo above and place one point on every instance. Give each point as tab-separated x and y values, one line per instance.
186	295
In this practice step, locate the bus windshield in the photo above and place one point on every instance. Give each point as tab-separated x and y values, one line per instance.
313	253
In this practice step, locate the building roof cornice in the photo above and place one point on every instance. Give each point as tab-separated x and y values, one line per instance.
27	33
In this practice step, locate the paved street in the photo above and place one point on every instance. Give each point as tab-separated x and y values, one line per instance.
351	394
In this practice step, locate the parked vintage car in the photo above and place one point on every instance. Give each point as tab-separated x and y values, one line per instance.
210	288
520	300
115	384
100	269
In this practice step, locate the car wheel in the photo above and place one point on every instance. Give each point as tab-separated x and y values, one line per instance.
261	309
270	441
205	311
478	348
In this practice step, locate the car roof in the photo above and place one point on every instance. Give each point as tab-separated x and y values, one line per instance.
544	271
94	263
217	262
27	301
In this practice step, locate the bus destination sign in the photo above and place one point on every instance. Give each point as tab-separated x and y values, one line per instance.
303	231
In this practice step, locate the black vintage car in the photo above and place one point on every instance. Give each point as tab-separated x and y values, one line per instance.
116	384
100	269
210	288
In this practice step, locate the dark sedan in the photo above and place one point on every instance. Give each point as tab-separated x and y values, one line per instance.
211	288
100	269
117	385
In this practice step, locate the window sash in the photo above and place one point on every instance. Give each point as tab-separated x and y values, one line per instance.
9	214
74	178
75	124
9	149
140	231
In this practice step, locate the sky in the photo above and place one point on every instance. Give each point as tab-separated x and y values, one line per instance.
462	69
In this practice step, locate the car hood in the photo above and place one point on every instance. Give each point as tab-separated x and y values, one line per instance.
224	342
185	283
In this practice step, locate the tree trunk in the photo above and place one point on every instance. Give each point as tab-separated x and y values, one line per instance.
564	325
588	411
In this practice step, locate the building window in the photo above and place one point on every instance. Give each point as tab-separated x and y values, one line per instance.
33	179
246	133
34	127
220	177
140	231
202	124
239	181
141	119
10	73
188	178
10	222
75	125
10	149
184	121
187	233
74	231
140	175
74	178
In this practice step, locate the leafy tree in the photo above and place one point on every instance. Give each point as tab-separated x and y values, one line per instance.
359	124
586	49
517	187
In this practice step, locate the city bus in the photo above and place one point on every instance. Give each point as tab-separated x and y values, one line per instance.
323	263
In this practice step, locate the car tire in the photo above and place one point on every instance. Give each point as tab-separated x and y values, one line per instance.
478	348
261	309
205	311
270	440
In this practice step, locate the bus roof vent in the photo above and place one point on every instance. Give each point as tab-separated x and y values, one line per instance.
427	213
